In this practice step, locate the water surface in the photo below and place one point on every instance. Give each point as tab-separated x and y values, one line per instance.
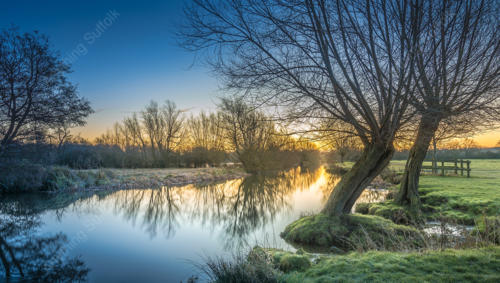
156	234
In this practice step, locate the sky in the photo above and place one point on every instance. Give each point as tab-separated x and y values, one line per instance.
125	54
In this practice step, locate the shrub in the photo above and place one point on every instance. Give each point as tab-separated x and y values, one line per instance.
21	176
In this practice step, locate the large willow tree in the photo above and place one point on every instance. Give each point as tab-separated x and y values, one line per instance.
341	60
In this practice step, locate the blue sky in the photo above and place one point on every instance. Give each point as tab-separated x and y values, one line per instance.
134	60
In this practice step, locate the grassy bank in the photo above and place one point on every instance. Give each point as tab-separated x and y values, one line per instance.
451	198
271	265
26	177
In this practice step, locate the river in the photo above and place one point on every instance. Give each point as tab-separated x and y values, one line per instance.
154	234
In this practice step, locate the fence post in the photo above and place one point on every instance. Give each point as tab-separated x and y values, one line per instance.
456	167
468	168
442	168
462	167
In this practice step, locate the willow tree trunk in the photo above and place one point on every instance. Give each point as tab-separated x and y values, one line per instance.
372	161
434	155
408	192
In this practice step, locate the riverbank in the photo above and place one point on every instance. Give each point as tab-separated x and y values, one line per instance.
34	178
147	178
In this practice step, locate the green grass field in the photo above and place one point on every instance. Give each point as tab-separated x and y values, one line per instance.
460	198
454	197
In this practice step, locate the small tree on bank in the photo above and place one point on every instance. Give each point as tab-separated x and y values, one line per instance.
34	92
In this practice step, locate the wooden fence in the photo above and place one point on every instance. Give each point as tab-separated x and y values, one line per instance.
442	166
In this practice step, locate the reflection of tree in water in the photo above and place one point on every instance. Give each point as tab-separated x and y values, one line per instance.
25	256
250	203
160	207
240	206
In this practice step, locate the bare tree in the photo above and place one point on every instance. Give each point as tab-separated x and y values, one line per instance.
62	134
163	125
34	91
172	122
154	126
456	46
206	131
134	127
338	137
248	131
343	60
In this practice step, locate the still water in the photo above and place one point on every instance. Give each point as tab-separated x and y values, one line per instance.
153	235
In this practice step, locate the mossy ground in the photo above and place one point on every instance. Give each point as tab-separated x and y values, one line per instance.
472	265
455	198
351	232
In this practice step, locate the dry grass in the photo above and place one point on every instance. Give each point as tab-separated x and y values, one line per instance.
147	178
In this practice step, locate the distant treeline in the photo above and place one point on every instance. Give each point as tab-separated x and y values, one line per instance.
441	154
161	136
88	156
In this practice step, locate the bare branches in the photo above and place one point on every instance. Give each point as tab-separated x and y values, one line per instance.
458	46
321	58
34	92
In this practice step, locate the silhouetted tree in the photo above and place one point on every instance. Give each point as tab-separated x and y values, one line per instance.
34	91
456	46
343	60
173	120
248	131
